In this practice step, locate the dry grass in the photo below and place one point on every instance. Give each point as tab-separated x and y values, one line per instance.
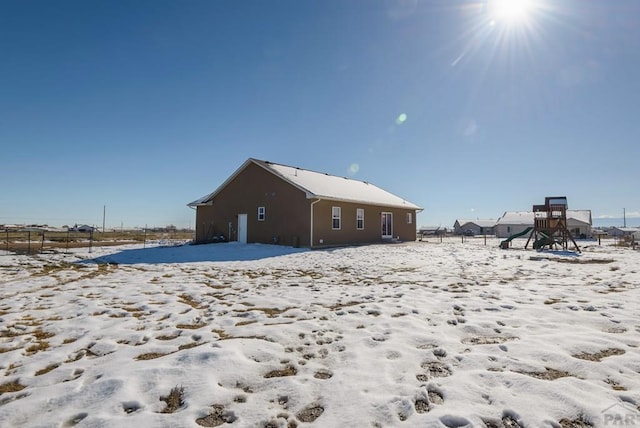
287	371
270	312
151	355
221	334
174	400
188	300
598	356
14	386
217	417
548	374
168	336
192	326
241	323
47	369
41	345
189	345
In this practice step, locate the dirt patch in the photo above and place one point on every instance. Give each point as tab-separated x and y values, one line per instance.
487	340
548	374
310	413
174	400
433	369
598	356
505	422
571	260
287	371
218	416
323	374
421	405
435	397
575	423
616	386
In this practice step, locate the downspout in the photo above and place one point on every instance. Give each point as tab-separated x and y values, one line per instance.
311	229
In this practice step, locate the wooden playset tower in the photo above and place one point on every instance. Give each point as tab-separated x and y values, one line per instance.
550	224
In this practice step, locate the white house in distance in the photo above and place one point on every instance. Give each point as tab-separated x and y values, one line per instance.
578	222
623	231
474	227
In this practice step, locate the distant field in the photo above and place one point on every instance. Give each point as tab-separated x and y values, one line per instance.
34	242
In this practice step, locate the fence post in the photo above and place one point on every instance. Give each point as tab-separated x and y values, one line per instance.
7	232
144	240
28	242
42	244
67	248
90	240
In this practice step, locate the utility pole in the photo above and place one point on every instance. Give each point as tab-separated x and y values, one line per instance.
624	217
104	214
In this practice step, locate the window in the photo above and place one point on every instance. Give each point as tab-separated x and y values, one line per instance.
409	218
335	218
359	218
261	213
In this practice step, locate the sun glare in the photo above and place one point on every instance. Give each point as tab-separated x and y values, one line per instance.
509	11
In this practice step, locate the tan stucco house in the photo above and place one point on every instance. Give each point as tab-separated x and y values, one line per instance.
265	202
579	223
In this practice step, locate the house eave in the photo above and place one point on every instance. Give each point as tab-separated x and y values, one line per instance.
408	206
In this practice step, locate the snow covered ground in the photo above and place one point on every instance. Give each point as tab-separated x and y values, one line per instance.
401	335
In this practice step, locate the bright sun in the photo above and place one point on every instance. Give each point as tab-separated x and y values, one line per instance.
509	11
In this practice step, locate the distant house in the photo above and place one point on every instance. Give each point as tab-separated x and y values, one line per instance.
265	202
620	232
474	227
431	230
579	223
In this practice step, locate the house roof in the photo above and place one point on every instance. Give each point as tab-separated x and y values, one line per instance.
627	229
516	217
319	185
526	217
580	215
480	223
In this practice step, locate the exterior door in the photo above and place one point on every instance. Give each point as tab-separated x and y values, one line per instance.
242	228
387	225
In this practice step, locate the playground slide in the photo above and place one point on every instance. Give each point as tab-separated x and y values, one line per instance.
544	241
517	235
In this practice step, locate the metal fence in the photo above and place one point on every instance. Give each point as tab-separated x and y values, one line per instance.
38	241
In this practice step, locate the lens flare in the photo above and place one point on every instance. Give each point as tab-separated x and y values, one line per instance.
509	11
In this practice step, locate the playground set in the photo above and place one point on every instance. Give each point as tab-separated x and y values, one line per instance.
549	226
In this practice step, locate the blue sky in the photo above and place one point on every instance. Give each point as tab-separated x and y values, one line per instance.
144	106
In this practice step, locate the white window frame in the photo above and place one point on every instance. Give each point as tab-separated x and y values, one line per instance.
359	218
262	213
409	218
336	214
